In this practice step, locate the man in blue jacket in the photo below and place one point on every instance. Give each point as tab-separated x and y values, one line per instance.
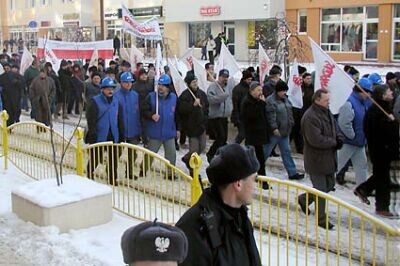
129	101
160	125
105	123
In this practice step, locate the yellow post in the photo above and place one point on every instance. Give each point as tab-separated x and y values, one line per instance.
195	164
4	118
79	151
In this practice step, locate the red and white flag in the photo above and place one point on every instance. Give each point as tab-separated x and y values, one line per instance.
94	60
329	76
187	58
136	56
295	93
26	61
263	62
52	58
201	74
227	61
149	29
179	83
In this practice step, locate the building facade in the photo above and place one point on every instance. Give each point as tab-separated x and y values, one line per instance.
350	30
189	23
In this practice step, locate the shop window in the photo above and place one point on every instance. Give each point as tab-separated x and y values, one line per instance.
198	34
342	29
264	32
396	32
302	22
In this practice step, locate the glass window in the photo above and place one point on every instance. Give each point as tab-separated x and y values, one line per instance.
302	21
352	37
198	33
397	11
372	12
264	32
396	41
331	14
353	14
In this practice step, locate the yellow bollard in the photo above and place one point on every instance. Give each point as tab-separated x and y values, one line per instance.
195	163
79	151
4	118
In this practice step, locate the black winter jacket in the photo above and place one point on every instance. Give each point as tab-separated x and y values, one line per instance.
238	94
192	119
237	246
254	119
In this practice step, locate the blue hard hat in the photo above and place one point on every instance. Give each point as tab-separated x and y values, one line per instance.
375	78
164	80
127	77
107	83
366	84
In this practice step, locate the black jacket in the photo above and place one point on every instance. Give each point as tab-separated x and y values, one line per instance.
238	94
254	119
381	133
192	119
237	246
13	88
143	88
65	77
269	87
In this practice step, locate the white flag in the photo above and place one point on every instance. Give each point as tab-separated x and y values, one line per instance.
124	54
263	62
26	61
52	58
295	93
149	29
328	75
179	83
227	61
201	74
158	66
187	58
94	60
136	56
1	69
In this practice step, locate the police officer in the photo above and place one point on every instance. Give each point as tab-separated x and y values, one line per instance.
153	244
160	125
218	229
129	101
105	123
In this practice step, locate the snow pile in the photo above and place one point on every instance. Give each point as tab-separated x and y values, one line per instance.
47	194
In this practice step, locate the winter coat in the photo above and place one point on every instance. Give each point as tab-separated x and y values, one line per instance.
279	115
65	76
129	102
350	120
269	87
239	92
41	93
232	226
116	42
192	119
381	133
396	109
308	92
165	127
254	119
218	44
104	120
210	45
13	85
29	75
220	101
320	139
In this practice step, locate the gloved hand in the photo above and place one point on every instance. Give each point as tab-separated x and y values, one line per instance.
339	144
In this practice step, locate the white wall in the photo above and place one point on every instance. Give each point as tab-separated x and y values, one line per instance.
186	11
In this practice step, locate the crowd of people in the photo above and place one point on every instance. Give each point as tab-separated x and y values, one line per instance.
121	104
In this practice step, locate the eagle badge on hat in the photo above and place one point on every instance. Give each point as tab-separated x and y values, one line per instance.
162	244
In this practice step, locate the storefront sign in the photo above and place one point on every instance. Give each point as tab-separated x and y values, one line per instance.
144	12
32	24
210	11
71	16
45	23
71	23
110	14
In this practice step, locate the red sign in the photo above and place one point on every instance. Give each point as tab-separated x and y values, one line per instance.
210	11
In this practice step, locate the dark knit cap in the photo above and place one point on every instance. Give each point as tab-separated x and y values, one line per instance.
232	162
246	74
63	63
253	85
275	69
154	241
379	91
190	77
390	75
281	86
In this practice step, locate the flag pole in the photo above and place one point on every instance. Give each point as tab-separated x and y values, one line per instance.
390	116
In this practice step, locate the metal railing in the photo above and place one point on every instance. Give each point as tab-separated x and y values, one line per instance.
146	186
